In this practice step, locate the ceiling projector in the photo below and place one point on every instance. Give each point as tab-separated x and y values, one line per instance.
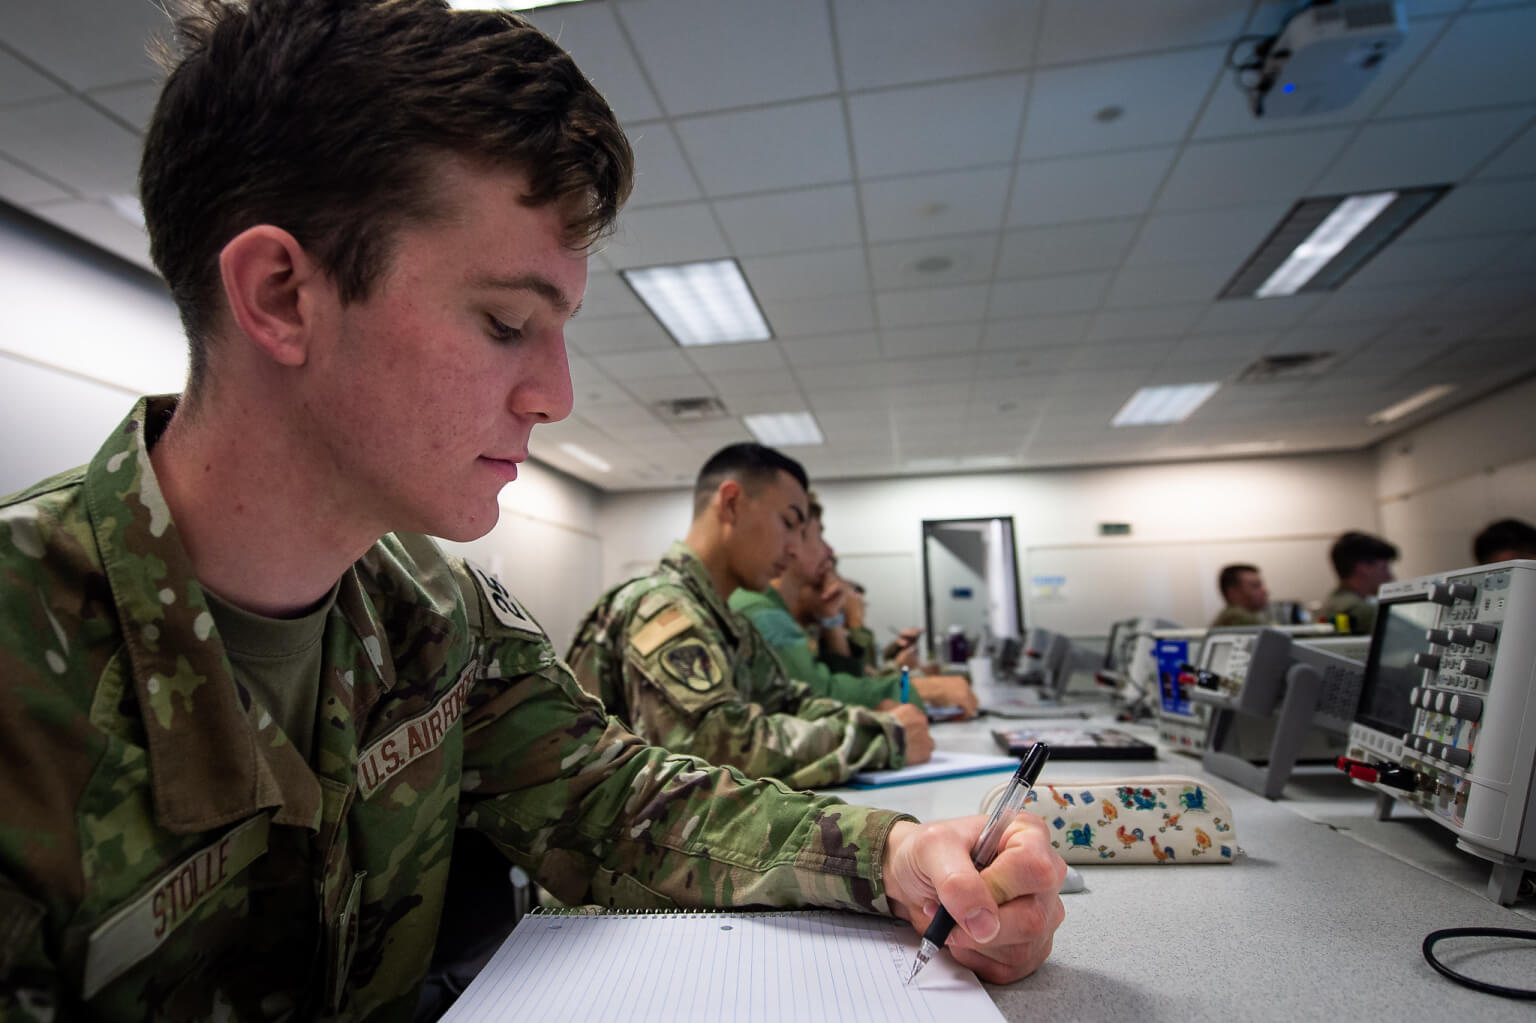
1324	57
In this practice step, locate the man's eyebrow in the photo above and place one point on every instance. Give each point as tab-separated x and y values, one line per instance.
800	512
540	286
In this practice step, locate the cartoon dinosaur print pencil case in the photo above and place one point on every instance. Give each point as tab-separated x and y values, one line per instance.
1162	819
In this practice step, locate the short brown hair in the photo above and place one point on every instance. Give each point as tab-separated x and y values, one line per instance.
327	118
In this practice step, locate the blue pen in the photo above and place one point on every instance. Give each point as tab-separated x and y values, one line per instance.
906	683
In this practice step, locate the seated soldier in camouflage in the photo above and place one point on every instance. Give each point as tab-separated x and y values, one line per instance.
667	654
802	593
243	718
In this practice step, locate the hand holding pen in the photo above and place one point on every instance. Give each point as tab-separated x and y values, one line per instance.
989	844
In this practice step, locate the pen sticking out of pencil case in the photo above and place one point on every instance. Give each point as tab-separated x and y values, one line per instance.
1164	819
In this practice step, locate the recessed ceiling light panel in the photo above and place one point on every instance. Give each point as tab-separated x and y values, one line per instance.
706	303
785	429
1152	406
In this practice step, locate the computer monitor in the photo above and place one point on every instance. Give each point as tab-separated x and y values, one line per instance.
1390	672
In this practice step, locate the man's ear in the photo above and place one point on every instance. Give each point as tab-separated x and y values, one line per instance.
274	290
729	501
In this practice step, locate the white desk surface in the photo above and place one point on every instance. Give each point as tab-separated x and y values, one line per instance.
1321	917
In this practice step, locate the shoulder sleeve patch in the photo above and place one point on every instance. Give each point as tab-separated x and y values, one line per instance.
503	605
658	630
694	664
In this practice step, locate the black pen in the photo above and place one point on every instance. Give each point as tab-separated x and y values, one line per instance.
985	850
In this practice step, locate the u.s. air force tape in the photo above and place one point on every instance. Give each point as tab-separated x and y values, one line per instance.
505	606
139	928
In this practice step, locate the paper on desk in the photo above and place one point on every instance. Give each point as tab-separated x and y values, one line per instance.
808	965
941	765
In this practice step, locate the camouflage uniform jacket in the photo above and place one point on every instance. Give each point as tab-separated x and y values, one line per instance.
1232	615
165	853
1361	611
668	655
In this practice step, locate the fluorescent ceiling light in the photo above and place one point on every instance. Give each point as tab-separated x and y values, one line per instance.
586	457
785	429
1152	405
1412	403
1321	241
1327	240
701	303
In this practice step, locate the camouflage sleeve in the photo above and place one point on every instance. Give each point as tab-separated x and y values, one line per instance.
597	815
679	685
28	979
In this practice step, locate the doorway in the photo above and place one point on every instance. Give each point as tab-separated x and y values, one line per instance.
970	583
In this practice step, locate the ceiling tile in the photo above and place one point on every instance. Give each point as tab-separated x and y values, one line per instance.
1087	188
1517	160
918	306
618	417
1045	296
1147	353
1158	321
607	296
808	317
1227	235
892	42
21	187
1241	315
758	402
1065	248
813	218
1222	349
74	145
934	340
20	83
661	173
85	42
1036	332
1075	30
1436	261
731	384
1169	285
661	362
1355	303
807	274
1228	113
1481	207
704	55
921	263
618	334
937	127
668	234
1420	151
1156	96
591	34
788	146
1483	59
134	103
840	349
669	388
746	355
98	224
1234	171
956	202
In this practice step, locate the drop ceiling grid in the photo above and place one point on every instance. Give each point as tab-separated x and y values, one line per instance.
1082	263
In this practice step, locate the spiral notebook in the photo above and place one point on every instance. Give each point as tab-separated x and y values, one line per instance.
800	965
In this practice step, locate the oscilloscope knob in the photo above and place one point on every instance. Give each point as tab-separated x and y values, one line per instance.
1439	593
1482	631
1430	661
1439	637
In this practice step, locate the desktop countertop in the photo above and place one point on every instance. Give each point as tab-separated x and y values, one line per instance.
1321	915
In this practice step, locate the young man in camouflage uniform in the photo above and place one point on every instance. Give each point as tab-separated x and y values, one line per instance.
243	716
1242	587
777	610
666	653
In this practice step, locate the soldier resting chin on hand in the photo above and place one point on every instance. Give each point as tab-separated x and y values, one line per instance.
246	705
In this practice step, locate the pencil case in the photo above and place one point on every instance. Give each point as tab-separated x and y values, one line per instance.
1160	819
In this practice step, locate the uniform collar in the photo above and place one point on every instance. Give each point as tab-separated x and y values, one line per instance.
214	756
681	559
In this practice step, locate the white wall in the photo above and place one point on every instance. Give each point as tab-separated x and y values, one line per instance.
1439	484
1194	515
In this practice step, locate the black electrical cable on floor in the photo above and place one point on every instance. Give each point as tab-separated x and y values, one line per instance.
1434	937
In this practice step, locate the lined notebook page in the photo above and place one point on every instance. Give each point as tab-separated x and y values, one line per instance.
742	968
